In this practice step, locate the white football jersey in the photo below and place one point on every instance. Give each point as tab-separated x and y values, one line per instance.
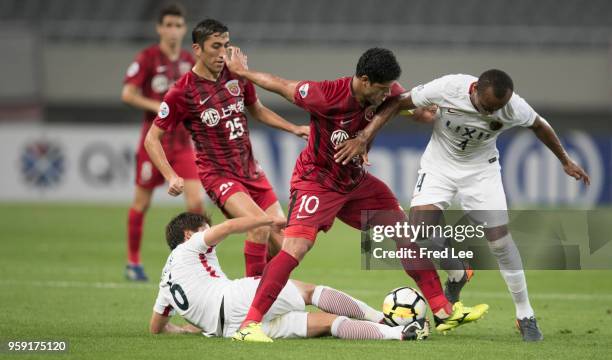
461	135
192	284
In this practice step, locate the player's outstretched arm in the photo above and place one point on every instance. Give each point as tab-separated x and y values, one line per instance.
542	129
217	233
236	62
130	94
270	118
425	115
161	324
358	146
155	150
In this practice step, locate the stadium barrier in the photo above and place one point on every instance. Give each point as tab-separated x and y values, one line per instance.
96	164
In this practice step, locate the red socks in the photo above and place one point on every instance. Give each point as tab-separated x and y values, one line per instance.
134	227
275	277
254	258
424	273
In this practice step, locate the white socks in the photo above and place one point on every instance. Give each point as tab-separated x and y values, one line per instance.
345	328
511	268
336	302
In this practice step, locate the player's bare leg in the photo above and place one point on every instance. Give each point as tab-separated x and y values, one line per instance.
275	241
193	196
255	246
142	200
459	272
510	264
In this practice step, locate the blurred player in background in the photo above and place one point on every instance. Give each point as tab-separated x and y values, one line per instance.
211	102
322	190
461	161
147	80
193	284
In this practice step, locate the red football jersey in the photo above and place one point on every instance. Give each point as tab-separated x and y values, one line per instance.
214	114
335	116
153	73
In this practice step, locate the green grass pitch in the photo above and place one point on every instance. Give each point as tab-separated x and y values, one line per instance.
62	278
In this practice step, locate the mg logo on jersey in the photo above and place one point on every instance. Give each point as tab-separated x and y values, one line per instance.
338	137
532	174
233	87
210	117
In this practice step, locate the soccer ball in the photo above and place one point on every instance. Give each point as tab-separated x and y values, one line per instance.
403	306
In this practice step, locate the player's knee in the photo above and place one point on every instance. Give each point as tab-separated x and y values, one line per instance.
141	205
496	233
297	247
259	235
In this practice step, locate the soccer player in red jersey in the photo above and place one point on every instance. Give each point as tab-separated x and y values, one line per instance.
147	80
322	189
211	102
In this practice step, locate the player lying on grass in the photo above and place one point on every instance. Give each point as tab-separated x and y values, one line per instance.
194	285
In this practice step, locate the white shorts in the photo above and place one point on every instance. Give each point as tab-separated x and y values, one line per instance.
287	318
479	192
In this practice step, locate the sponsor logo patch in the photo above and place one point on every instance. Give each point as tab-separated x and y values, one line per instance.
164	110
233	87
304	90
210	117
338	137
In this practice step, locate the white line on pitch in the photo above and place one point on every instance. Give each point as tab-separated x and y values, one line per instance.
128	285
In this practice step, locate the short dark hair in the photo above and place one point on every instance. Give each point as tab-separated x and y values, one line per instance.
175	230
499	80
174	9
206	28
379	65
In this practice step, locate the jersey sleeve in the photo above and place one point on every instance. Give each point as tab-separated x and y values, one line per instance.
250	95
136	73
171	111
312	95
196	243
520	112
428	94
162	303
397	89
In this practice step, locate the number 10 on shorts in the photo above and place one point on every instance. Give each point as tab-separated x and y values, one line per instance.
309	205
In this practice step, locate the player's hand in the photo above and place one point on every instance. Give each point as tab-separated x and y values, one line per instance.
278	223
351	148
426	114
236	60
302	131
574	170
176	185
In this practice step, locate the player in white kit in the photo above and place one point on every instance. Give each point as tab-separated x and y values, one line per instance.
194	286
461	162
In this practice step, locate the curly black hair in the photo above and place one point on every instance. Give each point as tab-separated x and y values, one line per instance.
175	230
498	79
379	65
206	28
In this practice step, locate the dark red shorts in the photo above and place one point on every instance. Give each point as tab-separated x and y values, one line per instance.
148	177
313	208
219	189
